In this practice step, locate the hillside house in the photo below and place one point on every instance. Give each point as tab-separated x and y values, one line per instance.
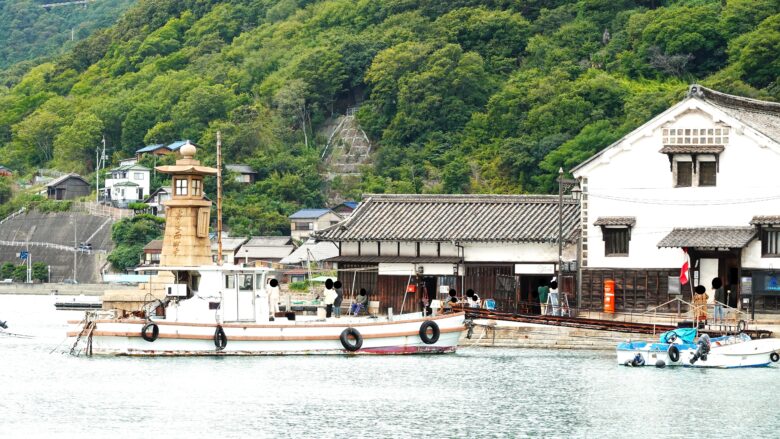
156	199
160	149
5	172
126	184
305	222
346	208
151	254
502	246
244	173
699	176
67	187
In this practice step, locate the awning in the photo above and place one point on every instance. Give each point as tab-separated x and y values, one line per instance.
715	237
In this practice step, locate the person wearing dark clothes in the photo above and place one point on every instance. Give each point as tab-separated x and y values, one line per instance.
451	300
361	302
339	298
720	298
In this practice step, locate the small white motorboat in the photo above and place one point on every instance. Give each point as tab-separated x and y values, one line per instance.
677	348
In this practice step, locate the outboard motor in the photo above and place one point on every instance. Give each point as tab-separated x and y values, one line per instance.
702	350
3	325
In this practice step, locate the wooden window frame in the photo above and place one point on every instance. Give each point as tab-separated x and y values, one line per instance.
610	244
773	250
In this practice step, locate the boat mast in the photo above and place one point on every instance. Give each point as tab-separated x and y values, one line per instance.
219	199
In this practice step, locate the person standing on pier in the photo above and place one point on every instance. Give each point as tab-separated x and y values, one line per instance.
329	297
553	296
543	291
338	300
720	299
700	305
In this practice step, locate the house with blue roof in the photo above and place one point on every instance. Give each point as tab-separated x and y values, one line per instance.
305	222
161	149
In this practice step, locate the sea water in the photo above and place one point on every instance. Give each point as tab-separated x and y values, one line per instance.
477	392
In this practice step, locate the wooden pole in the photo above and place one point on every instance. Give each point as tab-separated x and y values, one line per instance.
219	199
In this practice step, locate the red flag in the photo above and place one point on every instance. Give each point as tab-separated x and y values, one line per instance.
684	269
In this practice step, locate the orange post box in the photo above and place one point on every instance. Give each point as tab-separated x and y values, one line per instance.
609	296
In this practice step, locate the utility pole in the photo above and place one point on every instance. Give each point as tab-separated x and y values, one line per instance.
560	227
100	162
219	199
75	249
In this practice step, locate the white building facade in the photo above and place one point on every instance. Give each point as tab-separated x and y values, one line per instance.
700	176
127	184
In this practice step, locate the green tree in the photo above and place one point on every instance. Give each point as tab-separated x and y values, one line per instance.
40	271
20	273
7	270
75	145
36	134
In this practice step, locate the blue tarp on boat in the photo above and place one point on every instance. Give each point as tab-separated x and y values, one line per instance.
687	335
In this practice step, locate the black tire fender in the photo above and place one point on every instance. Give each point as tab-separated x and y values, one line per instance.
347	343
674	354
155	332
424	332
775	357
741	326
220	338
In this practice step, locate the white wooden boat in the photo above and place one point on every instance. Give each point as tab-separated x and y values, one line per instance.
223	310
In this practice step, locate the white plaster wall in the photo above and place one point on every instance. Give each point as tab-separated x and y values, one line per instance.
429	249
449	249
389	248
516	252
349	248
369	249
751	257
634	179
408	249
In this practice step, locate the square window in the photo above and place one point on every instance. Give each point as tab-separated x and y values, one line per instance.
709	132
707	174
181	186
616	241
725	140
684	174
717	131
245	282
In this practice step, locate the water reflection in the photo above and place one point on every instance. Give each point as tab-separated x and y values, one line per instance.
478	392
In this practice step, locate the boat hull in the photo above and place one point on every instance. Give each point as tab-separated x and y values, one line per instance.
751	353
379	337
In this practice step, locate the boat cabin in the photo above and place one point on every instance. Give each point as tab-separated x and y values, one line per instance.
202	293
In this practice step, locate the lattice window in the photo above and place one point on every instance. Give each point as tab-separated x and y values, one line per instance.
770	242
696	136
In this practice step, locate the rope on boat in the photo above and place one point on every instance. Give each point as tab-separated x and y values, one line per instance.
86	330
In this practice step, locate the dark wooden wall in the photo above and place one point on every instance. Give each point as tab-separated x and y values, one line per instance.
636	290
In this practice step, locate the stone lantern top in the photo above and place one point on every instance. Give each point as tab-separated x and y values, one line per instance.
187	165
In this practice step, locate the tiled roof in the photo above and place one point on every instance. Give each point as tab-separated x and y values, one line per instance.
229	244
763	116
62	178
241	169
692	149
150	148
156	244
765	220
256	252
126	184
464	218
268	241
615	221
309	213
311	251
396	259
725	237
133	167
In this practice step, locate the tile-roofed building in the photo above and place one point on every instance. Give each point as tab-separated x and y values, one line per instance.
156	199
503	246
307	221
346	208
266	249
5	171
465	218
152	251
230	250
698	180
160	149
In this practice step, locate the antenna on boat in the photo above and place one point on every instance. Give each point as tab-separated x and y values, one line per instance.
219	199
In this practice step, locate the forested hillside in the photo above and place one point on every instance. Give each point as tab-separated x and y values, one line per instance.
457	96
29	31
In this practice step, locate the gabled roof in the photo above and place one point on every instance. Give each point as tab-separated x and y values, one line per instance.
311	251
175	146
62	178
241	169
133	167
267	247
765	220
718	237
229	244
762	116
462	218
269	241
156	244
309	213
166	189
150	148
348	204
126	184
